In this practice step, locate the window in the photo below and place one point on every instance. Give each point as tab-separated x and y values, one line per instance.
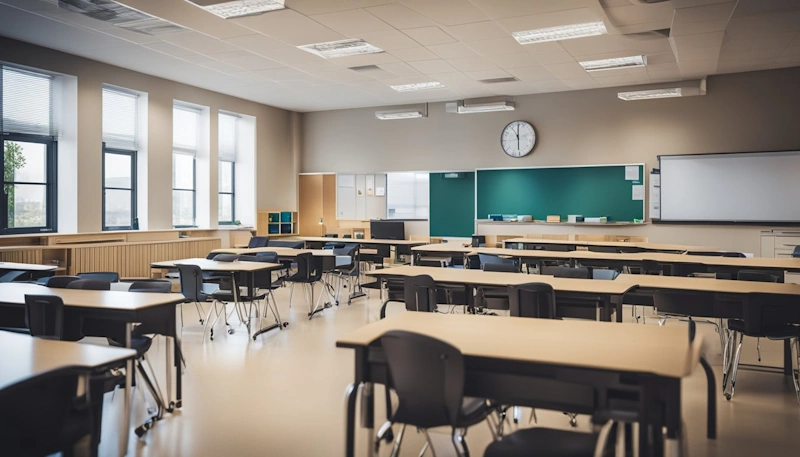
407	196
28	203
228	132
120	133
185	134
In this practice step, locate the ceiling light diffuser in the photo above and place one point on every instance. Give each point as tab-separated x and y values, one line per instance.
666	90
648	94
614	64
419	86
481	105
238	8
343	48
561	32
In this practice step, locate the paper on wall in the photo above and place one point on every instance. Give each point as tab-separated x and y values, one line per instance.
631	172
380	191
638	192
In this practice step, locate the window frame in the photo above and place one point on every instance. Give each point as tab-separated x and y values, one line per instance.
51	193
232	193
193	190
133	190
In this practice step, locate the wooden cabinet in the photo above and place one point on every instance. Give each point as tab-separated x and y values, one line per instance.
781	244
275	223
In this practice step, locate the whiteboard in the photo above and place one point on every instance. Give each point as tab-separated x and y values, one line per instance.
754	187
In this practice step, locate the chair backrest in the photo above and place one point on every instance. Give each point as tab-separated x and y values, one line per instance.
734	254
430	400
44	316
755	275
796	252
306	267
613	249
478	241
14	275
684	303
566	272
226	258
258	242
191	281
556	247
650	267
761	311
534	299
505	267
491	258
333	246
267	256
286	244
331	235
474	262
110	276
154	285
90	284
605	274
211	255
706	253
262	278
60	282
688	269
419	293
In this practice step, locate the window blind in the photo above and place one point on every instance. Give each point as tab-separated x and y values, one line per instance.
27	102
227	137
120	119
185	129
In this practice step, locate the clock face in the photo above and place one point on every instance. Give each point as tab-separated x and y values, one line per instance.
518	139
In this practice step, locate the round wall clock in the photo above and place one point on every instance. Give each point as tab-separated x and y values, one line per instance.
518	139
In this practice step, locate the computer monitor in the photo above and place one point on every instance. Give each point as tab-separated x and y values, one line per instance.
388	230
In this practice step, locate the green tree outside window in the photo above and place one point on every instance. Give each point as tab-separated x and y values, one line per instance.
13	159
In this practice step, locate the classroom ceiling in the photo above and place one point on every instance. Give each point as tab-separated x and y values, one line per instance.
456	42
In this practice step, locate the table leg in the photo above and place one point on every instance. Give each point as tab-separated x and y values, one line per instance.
368	415
350	397
617	301
168	356
787	357
178	375
126	409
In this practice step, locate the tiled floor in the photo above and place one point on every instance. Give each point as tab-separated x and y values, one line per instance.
282	395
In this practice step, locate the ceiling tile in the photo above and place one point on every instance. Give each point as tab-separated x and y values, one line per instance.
292	56
199	43
309	7
400	16
522	59
414	54
197	58
487	74
344	76
706	13
496	46
253	62
690	28
219	65
595	45
171	49
699	40
189	16
582	83
551	19
774	22
290	26
472	64
553	58
459	82
728	54
433	66
400	69
498	9
452	51
352	23
532	73
448	12
640	13
774	41
365	59
257	43
389	40
429	36
283	74
485	30
570	70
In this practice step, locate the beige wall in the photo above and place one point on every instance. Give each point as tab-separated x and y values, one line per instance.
276	173
757	111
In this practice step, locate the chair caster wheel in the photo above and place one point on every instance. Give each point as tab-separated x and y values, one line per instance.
142	429
728	397
285	324
573	422
172	406
230	331
388	436
201	321
179	404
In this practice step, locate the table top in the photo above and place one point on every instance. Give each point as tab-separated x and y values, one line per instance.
282	252
709	284
33	357
638	244
14	293
500	279
26	266
575	343
361	241
212	265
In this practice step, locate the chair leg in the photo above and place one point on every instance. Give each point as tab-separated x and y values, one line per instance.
398	441
382	433
428	444
291	292
199	311
208	327
795	345
735	366
460	444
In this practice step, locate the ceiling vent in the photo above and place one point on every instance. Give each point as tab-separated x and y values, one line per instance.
481	105
121	16
509	79
365	68
228	9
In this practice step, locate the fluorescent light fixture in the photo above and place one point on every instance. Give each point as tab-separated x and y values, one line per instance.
228	9
561	32
418	86
120	15
343	48
481	105
615	63
667	90
409	112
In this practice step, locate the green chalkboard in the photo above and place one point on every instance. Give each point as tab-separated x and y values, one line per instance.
540	192
452	200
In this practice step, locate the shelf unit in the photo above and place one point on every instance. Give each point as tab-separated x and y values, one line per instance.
275	223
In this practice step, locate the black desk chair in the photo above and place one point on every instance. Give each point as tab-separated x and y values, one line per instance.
433	400
734	254
12	276
536	299
90	284
258	242
59	282
309	272
382	252
766	316
419	293
604	274
600	248
44	316
193	288
487	259
566	272
706	253
478	241
263	286
495	298
151	285
796	252
686	305
556	247
110	276
550	442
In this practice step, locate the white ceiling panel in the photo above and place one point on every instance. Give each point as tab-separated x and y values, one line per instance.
310	7
551	19
553	58
641	13
499	9
257	43
522	59
447	12
190	16
452	50
199	43
485	30
532	73
472	64
487	74
170	49
414	54
352	23
400	69
399	16
290	26
572	70
430	67
253	62
496	46
429	36
389	40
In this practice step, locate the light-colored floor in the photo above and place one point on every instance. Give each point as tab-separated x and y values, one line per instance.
282	395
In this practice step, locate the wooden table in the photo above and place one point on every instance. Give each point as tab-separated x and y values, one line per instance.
234	269
324	239
654	247
155	309
13	266
604	296
576	366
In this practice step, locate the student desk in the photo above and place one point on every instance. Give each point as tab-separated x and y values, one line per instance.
36	271
631	371
643	246
605	296
319	241
330	260
155	309
233	268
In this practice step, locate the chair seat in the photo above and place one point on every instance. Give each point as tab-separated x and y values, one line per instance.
139	343
775	332
473	411
543	442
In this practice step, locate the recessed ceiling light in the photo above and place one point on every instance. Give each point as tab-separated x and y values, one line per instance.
418	86
561	32
614	64
343	48
410	112
648	94
228	9
481	105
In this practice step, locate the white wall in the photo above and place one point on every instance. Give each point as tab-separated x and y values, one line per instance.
755	111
